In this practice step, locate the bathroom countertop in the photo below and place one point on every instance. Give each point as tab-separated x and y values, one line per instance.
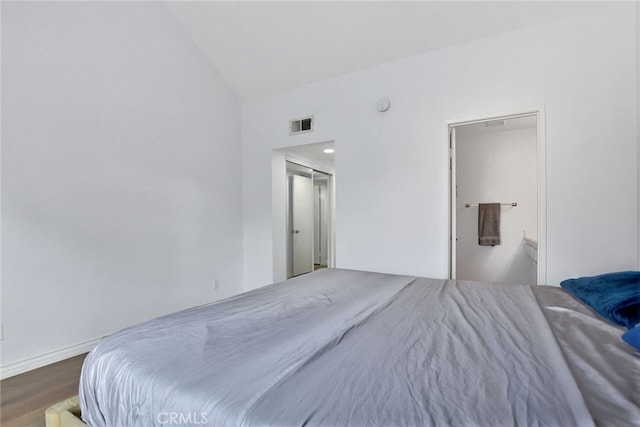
531	240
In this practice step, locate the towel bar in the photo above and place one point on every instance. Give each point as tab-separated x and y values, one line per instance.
468	205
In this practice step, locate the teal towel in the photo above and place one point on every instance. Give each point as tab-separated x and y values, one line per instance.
615	296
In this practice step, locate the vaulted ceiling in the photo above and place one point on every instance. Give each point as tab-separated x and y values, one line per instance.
265	47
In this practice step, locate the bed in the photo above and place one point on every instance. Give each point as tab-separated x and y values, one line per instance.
352	348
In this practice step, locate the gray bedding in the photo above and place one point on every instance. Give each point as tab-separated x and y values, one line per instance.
607	370
349	348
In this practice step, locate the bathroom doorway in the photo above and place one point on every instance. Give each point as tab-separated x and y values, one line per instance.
497	224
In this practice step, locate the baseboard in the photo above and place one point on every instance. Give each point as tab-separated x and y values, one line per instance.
31	363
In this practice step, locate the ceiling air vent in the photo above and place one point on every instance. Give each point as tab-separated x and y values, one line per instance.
303	125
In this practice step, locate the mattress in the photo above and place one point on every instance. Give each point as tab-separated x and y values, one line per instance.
351	348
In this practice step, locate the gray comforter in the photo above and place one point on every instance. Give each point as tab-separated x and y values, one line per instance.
346	348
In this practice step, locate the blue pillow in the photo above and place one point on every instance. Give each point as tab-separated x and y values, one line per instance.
632	336
615	296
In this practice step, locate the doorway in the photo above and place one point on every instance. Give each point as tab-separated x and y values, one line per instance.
304	209
308	219
498	160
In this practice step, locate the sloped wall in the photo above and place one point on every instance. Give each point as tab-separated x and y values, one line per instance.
121	175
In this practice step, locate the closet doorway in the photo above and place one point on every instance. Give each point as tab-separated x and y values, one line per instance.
308	219
303	203
497	199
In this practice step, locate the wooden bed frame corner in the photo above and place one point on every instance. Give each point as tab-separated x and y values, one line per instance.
64	414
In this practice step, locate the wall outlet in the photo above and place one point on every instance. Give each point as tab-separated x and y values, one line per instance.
216	284
1	331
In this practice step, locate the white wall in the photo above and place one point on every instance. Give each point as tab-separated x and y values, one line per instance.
391	194
496	166
121	179
638	110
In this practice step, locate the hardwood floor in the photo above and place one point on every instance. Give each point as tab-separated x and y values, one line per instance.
25	397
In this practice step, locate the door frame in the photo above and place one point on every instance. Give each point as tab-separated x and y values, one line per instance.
323	200
330	200
449	129
296	183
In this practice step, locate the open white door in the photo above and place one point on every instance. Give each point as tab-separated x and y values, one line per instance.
302	219
453	233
